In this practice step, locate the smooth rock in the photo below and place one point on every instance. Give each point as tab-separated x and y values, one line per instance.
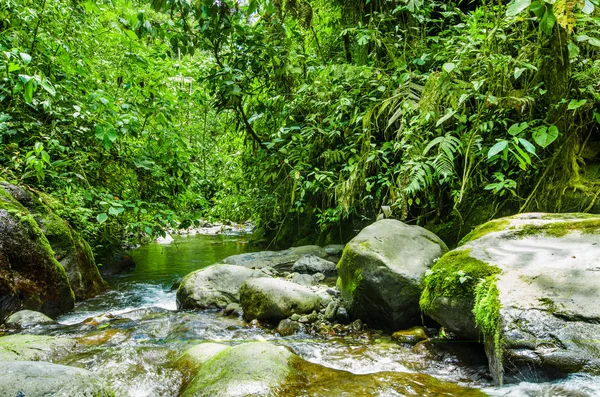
274	259
381	269
167	239
213	287
341	316
331	311
41	379
313	264
27	318
275	299
303	279
34	347
533	281
288	327
334	249
410	336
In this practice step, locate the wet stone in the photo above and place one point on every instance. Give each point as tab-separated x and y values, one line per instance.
410	336
288	327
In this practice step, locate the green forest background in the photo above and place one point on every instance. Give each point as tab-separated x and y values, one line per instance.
310	118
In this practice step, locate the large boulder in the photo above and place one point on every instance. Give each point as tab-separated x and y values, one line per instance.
275	259
34	347
274	299
313	264
381	269
527	286
213	287
70	249
264	369
40	379
30	276
27	318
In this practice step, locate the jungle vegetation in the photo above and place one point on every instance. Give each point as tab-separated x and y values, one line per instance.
305	116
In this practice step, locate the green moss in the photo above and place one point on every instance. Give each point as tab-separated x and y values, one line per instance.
456	274
560	229
486	228
548	304
350	274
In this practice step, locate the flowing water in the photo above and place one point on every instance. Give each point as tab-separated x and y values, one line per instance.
132	333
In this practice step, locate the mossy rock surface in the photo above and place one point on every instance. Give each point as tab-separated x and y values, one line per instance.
527	286
34	347
70	249
265	369
30	276
275	259
381	269
40	379
273	299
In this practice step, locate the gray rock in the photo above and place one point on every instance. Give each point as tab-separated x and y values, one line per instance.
27	318
381	269
532	281
288	327
274	259
40	379
303	279
334	249
232	308
331	311
215	286
275	299
313	264
34	347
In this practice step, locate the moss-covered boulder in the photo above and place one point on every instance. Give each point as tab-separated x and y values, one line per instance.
527	286
264	369
27	318
274	259
214	287
34	347
274	299
30	276
70	249
381	269
40	379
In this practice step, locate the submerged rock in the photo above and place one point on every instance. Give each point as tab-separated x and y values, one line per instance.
27	318
39	379
411	336
213	287
381	269
30	276
274	259
313	264
265	369
275	299
34	347
526	285
288	327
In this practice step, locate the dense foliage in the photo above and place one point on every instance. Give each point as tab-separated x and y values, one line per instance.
301	114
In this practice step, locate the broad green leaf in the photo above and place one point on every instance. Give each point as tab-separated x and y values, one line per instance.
114	211
544	136
548	21
497	148
538	8
588	7
102	217
527	145
26	58
48	87
449	67
517	128
516	7
148	230
28	91
574	104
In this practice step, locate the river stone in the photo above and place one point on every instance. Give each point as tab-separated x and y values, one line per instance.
213	287
27	318
70	249
275	299
381	270
313	264
30	276
274	259
263	369
533	281
334	249
34	347
40	379
410	336
303	279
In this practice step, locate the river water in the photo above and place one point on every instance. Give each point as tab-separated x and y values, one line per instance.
132	333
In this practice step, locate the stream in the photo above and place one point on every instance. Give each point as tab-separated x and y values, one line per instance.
131	334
